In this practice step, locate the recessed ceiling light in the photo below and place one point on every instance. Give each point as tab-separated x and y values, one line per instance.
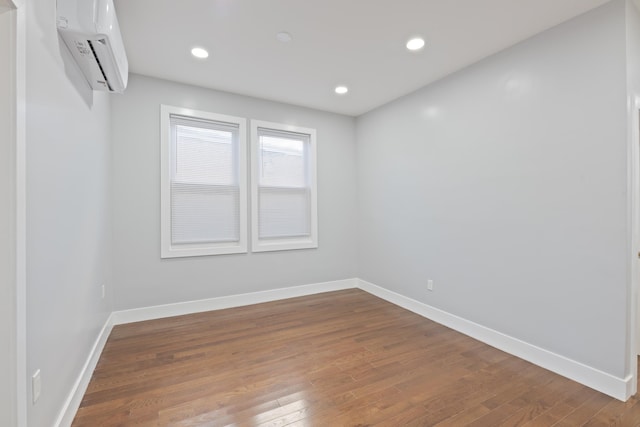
341	90
199	52
284	37
415	43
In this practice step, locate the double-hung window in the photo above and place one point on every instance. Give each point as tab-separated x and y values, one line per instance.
283	187
204	187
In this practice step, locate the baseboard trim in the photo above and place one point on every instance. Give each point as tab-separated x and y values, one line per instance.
72	403
198	306
618	388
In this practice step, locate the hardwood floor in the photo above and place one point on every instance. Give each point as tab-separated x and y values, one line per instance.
336	359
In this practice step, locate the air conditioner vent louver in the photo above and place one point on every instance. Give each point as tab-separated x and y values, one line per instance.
106	82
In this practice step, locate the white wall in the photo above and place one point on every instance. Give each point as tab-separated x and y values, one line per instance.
633	89
143	279
68	228
7	224
506	183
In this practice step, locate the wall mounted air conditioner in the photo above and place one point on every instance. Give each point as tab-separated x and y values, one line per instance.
90	30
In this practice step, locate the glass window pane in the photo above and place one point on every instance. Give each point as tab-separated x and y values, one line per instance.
282	162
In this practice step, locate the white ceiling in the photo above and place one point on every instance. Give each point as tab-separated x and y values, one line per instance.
359	43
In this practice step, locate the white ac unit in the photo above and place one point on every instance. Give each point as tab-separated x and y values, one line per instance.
90	30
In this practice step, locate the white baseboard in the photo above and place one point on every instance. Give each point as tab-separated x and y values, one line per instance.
198	306
72	403
619	388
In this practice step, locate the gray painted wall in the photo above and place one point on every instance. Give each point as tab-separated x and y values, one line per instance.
68	229
7	225
506	184
143	279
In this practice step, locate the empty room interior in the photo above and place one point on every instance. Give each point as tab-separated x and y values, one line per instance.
318	213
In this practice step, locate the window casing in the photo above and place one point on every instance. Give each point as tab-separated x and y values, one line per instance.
204	186
283	187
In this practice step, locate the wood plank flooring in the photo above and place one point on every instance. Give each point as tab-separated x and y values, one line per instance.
336	359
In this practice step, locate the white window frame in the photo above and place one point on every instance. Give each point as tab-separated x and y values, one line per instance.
282	244
168	250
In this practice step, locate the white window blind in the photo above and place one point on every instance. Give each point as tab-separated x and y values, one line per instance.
204	184
205	206
284	214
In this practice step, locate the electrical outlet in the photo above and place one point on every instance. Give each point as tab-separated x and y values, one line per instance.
36	386
103	292
429	285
